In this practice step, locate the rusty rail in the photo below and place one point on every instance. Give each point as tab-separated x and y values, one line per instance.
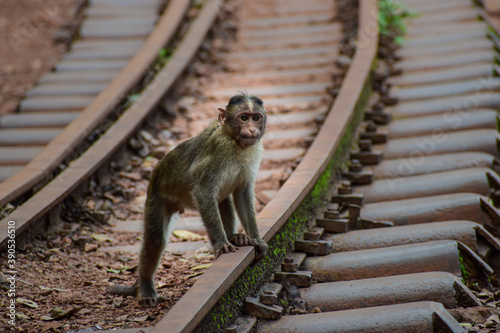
93	115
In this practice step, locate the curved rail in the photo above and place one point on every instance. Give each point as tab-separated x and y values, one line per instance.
93	115
204	294
80	169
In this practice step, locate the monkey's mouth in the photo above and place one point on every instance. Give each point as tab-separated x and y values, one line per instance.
248	140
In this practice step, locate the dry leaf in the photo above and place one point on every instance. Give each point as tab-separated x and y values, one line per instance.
53	289
187	235
122	318
59	314
90	247
132	175
27	302
202	266
22	316
195	275
102	237
141	319
49	326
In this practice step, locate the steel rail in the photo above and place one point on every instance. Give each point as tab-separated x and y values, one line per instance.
189	311
93	115
80	169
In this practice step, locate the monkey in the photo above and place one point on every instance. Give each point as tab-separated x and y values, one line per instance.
214	173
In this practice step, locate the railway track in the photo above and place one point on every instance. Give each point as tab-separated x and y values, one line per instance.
69	106
375	265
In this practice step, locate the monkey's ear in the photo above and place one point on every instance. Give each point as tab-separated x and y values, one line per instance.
222	116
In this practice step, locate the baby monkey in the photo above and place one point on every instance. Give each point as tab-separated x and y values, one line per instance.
213	173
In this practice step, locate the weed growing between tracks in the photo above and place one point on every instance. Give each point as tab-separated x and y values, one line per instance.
391	19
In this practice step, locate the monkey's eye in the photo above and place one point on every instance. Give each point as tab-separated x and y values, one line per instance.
256	117
244	117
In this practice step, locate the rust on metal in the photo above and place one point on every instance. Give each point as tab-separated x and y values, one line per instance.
446	74
299	278
441	287
422	317
482	140
463	231
444	105
473	180
466	120
362	264
442	89
33	120
461	206
27	137
452	60
404	167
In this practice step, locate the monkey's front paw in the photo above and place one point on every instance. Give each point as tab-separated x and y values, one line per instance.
224	248
241	240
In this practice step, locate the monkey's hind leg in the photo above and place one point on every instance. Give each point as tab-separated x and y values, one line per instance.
157	220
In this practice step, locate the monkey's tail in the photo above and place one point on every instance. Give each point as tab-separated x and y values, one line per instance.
123	290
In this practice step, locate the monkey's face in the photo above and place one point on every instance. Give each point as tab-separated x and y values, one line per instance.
244	118
250	127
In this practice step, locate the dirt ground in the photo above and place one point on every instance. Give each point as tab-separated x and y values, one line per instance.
27	47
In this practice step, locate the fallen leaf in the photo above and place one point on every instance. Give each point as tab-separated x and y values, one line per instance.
494	318
49	326
22	316
201	266
77	301
122	318
123	258
150	162
57	312
25	282
187	235
85	311
102	237
53	289
148	137
27	302
63	314
114	199
165	285
90	247
132	175
141	319
195	275
46	292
